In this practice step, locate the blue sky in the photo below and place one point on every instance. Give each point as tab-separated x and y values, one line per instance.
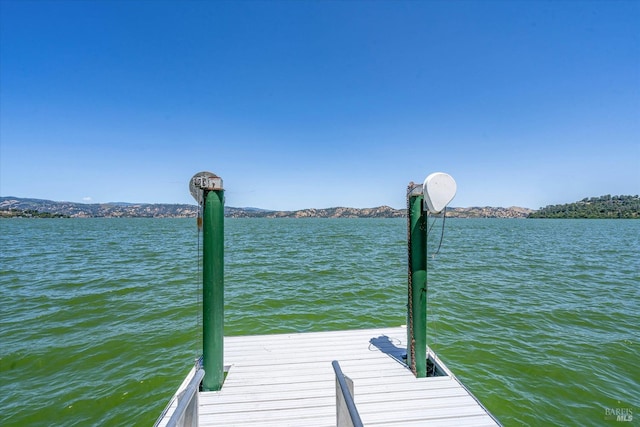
300	104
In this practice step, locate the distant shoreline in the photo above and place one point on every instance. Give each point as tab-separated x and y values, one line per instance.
38	208
603	207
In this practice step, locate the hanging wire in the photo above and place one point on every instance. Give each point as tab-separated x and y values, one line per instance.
429	299
432	224
444	216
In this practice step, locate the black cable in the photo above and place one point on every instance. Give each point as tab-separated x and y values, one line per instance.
444	215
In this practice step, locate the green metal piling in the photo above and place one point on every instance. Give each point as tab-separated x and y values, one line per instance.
213	290
417	283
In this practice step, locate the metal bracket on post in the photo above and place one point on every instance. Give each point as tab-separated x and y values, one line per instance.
202	183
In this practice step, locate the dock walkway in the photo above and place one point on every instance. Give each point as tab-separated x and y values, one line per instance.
288	380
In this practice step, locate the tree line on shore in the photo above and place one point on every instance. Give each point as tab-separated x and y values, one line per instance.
607	206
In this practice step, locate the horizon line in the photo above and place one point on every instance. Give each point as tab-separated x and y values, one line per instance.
254	207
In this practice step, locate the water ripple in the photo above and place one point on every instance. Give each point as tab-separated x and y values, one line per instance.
99	320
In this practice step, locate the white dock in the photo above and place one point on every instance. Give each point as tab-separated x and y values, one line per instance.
288	380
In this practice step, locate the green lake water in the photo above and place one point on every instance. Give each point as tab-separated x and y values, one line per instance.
99	318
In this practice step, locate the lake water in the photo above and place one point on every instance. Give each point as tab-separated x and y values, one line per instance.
99	319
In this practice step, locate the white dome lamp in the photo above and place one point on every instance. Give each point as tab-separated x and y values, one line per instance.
438	189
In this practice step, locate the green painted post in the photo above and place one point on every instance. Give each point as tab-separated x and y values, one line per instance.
207	189
213	290
417	287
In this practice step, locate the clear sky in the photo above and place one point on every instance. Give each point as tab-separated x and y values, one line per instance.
299	104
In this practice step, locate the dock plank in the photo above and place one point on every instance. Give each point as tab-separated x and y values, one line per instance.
287	379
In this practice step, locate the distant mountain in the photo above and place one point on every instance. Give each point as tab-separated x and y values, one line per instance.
594	207
25	207
14	206
339	212
489	212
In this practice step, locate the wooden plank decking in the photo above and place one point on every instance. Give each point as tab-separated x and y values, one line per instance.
287	380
